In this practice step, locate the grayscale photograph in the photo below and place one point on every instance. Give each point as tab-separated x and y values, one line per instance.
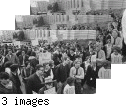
48	62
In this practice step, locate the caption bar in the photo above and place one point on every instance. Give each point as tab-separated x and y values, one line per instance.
25	102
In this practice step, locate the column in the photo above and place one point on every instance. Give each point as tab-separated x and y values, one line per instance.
72	3
76	3
80	3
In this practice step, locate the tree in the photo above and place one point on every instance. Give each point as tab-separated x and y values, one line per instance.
49	7
15	35
55	7
20	35
40	21
34	21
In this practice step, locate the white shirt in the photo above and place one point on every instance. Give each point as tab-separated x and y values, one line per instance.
69	89
104	73
124	26
116	59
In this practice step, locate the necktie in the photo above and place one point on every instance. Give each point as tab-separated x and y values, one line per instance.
114	41
76	71
97	55
23	60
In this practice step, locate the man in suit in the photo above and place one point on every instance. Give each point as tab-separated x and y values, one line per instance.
23	58
36	81
11	57
14	77
2	61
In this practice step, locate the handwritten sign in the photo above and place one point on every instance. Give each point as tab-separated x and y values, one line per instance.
50	91
44	57
35	42
17	43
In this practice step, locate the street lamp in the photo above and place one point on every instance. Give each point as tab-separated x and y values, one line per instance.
76	14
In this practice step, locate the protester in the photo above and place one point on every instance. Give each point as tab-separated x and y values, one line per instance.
21	63
78	73
6	85
70	87
36	81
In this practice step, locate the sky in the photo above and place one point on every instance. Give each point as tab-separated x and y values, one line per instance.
33	4
38	0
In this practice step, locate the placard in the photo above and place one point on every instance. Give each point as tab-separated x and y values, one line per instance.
17	43
50	91
44	57
35	42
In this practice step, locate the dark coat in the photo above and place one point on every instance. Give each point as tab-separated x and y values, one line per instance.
56	59
4	90
34	62
13	59
21	59
62	73
33	84
16	81
91	74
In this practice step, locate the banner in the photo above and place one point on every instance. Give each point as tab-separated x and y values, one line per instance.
44	57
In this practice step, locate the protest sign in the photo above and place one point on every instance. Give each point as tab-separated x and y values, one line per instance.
17	43
35	42
44	57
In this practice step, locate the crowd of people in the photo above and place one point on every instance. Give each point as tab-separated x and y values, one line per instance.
110	44
71	70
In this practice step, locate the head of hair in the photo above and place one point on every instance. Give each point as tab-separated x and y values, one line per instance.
64	58
45	64
70	80
33	54
51	63
38	66
4	75
14	67
117	49
8	64
27	62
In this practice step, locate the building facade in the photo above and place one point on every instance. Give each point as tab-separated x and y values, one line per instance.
69	20
39	6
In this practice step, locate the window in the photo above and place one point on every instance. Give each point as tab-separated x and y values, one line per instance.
71	4
74	3
77	3
59	18
82	5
